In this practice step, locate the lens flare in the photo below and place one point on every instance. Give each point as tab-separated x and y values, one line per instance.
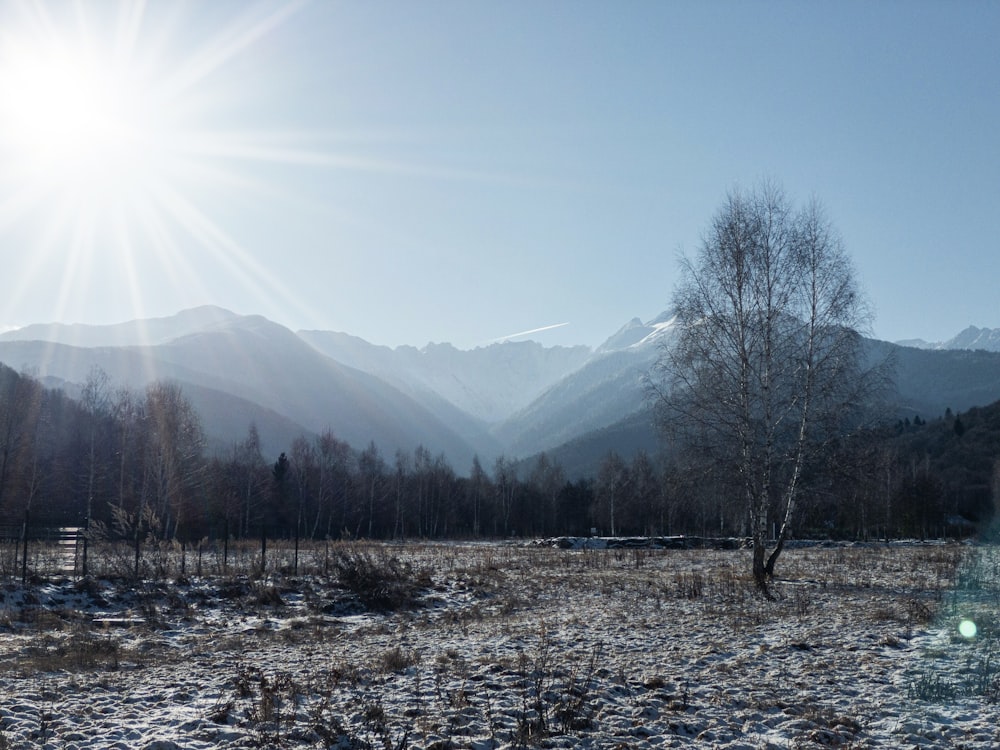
967	629
115	171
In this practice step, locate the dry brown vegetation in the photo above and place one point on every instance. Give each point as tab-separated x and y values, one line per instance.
435	646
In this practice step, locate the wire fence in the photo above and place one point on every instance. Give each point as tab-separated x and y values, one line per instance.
39	553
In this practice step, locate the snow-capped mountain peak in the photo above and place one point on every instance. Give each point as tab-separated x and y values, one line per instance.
662	326
975	338
986	339
635	333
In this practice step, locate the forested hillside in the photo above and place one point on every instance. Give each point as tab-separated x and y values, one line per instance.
134	463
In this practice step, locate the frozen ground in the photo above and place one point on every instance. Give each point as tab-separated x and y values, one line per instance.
485	646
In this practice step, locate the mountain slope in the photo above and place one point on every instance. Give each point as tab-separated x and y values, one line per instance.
515	398
985	339
268	364
926	383
581	457
260	363
488	383
609	388
150	331
225	416
929	381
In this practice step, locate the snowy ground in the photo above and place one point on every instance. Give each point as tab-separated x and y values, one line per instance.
488	646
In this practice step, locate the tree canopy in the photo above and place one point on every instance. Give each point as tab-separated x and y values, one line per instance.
766	367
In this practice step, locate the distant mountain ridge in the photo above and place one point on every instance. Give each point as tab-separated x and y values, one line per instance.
635	334
273	376
511	398
488	382
145	332
973	338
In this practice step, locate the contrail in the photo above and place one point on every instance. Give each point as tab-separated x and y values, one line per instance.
527	333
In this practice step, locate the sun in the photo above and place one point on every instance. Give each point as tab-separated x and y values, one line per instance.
115	145
57	104
74	111
66	123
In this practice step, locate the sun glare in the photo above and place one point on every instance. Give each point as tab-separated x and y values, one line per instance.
65	121
109	146
56	105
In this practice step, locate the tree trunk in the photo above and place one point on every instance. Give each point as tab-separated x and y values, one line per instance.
24	551
263	547
298	523
759	568
758	523
137	550
782	536
773	557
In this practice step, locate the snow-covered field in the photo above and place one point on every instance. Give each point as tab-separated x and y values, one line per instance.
487	646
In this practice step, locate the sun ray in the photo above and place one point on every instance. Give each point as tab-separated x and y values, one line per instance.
224	248
128	24
223	47
47	131
161	244
77	262
60	216
133	284
129	153
20	203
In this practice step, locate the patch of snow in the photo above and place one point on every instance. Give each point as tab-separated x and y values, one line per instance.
511	646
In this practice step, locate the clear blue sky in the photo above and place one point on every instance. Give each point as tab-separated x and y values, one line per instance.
462	171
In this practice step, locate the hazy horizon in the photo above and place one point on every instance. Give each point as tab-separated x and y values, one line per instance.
520	336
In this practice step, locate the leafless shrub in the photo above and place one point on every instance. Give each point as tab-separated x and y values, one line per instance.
221	711
886	613
382	583
931	686
376	721
398	659
919	612
79	651
689	585
802	601
267	596
266	703
574	710
347	673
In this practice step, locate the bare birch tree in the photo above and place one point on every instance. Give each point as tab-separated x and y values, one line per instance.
611	494
96	401
767	363
174	454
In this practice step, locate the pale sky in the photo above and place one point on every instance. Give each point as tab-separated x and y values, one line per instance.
461	171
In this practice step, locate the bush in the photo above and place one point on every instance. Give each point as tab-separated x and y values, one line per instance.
380	583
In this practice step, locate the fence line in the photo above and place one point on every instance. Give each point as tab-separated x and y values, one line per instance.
59	551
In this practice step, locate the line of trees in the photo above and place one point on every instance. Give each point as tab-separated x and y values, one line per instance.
109	454
134	465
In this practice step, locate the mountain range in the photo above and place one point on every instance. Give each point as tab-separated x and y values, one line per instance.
510	398
985	339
